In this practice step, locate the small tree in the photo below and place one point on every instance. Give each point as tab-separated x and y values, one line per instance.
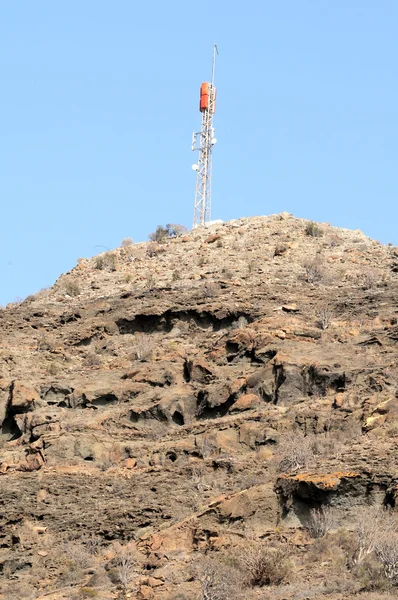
163	233
176	230
160	235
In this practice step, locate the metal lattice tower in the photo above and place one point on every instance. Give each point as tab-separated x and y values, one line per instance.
203	142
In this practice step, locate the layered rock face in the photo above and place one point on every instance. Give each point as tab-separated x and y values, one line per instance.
191	399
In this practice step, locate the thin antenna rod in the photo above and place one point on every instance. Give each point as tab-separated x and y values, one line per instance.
213	66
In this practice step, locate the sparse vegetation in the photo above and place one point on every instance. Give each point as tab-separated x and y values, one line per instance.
211	289
324	315
143	347
215	440
321	521
217	581
263	564
162	234
126	565
313	230
295	451
227	273
126	242
370	279
72	288
106	262
150	281
314	271
176	230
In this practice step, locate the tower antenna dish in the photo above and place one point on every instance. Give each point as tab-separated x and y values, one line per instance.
203	142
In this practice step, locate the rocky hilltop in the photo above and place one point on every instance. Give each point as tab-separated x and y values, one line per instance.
213	417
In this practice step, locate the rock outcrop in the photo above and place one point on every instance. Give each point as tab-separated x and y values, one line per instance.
186	397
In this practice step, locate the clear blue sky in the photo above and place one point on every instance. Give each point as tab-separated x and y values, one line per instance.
99	99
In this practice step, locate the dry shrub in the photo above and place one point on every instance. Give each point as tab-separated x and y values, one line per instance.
211	289
371	278
43	342
334	241
72	288
324	315
92	544
377	545
150	281
370	574
321	521
52	369
313	230
208	447
106	262
314	271
373	523
126	565
265	565
227	273
75	558
30	298
294	451
78	554
143	347
217	581
387	552
126	242
153	249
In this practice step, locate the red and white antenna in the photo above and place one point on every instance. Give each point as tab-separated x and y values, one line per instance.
203	142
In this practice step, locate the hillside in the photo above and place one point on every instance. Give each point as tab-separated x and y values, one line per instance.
217	412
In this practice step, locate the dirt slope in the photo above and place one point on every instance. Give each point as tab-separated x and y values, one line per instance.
176	405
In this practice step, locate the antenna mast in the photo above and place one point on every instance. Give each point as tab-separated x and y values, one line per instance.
203	142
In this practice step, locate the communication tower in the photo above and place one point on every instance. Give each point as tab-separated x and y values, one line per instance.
203	142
